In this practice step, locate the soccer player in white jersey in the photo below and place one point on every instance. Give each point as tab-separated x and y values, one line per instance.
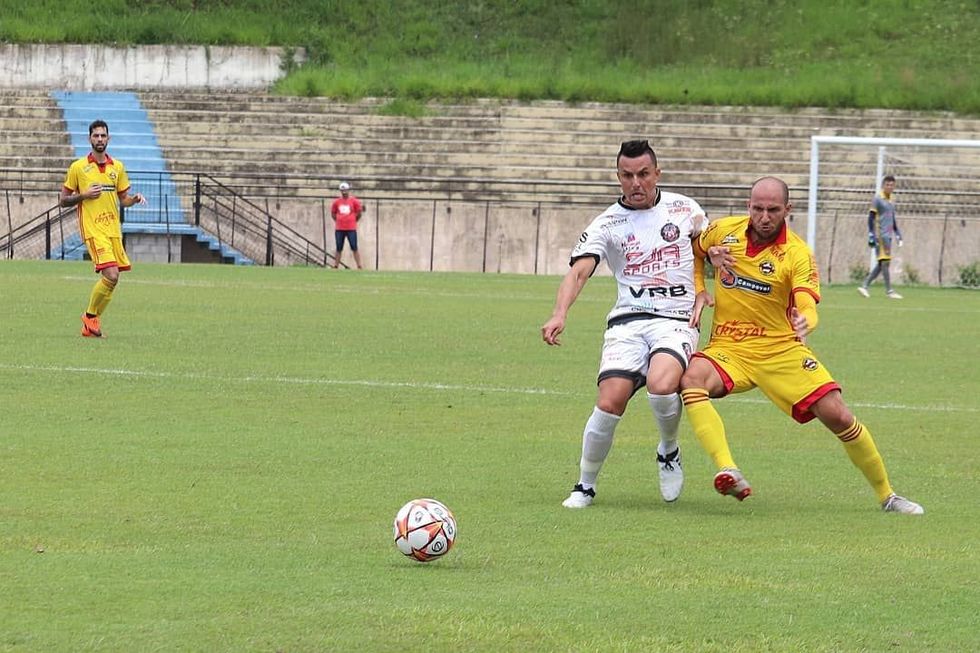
652	331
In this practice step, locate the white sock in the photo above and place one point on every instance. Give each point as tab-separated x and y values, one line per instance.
667	413
596	443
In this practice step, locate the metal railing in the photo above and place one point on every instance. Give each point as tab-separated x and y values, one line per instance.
220	214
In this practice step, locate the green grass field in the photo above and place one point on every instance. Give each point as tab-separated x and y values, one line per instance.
220	474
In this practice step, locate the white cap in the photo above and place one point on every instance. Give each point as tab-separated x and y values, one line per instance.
344	185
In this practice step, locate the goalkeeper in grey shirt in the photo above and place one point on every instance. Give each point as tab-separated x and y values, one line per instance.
882	230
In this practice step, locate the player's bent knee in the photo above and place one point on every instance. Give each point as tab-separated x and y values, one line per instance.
663	386
695	378
833	412
611	407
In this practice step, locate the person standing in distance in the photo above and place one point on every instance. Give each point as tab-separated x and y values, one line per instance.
652	330
346	211
766	305
882	229
98	184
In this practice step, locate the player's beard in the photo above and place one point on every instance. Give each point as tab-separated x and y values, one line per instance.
99	147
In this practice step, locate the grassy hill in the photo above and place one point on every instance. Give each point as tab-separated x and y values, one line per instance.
911	54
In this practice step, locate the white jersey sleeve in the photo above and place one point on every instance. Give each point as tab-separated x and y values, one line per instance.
594	241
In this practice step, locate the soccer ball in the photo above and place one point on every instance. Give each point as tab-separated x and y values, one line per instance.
424	529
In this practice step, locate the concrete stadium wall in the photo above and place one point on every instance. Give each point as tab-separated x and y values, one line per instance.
93	67
531	238
444	235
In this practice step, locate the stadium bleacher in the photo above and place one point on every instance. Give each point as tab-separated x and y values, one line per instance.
271	147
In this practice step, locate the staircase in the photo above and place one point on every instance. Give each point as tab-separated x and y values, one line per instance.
133	141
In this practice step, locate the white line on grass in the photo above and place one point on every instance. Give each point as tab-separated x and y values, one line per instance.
408	384
404	290
278	379
336	289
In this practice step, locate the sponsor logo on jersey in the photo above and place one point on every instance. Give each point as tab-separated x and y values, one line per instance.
615	221
729	280
730	239
630	247
810	364
678	290
814	278
678	206
726	277
663	258
670	232
767	268
739	330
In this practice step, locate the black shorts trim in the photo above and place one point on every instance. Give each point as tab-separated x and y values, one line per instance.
626	318
664	350
638	379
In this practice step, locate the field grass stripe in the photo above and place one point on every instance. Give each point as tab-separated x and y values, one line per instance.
410	385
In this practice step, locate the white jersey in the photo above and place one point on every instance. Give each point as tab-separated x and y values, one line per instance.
650	253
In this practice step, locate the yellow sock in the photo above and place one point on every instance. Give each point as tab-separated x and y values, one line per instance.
101	294
861	449
708	427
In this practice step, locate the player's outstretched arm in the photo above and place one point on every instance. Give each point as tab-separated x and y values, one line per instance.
568	292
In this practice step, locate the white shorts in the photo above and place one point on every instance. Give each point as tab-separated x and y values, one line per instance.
627	347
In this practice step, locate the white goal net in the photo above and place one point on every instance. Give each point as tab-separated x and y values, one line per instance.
937	201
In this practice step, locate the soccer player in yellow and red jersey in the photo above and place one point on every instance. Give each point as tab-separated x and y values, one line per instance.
765	305
97	184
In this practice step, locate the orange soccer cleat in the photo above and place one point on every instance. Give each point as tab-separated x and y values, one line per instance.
91	327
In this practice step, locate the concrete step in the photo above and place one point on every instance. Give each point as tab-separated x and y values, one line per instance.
553	110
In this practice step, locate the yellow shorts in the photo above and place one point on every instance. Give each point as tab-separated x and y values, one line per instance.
107	252
793	379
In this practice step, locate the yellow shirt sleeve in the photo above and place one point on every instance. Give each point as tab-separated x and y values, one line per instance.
807	306
698	272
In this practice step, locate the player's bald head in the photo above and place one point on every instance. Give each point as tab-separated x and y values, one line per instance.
770	184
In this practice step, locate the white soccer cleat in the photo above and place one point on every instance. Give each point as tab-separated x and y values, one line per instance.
891	294
671	475
895	503
863	291
580	497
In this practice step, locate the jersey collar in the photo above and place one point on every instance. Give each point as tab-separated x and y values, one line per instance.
656	201
102	166
752	250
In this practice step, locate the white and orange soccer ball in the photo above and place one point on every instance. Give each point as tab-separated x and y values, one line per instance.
425	529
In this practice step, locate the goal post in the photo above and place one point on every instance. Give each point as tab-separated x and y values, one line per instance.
938	202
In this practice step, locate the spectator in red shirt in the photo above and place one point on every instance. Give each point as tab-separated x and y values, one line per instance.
346	211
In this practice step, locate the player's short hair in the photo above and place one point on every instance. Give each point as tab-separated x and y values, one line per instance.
98	123
633	149
888	178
